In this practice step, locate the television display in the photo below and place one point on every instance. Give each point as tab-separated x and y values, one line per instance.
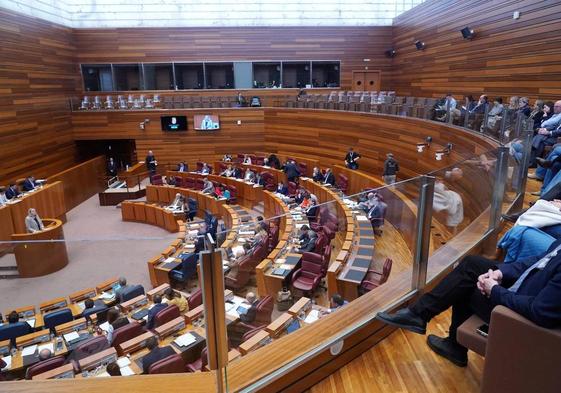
174	123
206	122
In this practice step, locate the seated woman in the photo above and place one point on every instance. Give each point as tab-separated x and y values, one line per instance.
177	204
249	176
228	172
173	297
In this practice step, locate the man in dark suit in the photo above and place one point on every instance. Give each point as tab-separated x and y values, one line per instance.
29	184
12	191
282	189
182	167
122	286
529	287
111	167
156	353
151	162
93	307
291	170
156	308
308	239
192	206
329	178
351	159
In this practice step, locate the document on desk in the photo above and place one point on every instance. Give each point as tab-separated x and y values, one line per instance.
71	336
189	246
126	371
193	232
103	374
104	326
361	218
170	259
312	316
8	361
49	346
185	339
31	322
250	233
123	361
106	296
285	266
81	305
29	350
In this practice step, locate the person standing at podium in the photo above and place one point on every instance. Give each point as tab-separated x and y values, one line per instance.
33	222
151	163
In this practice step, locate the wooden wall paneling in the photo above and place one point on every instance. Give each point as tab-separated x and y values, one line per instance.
351	45
81	181
37	74
507	57
7	227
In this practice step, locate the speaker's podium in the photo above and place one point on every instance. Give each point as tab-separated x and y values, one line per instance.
41	253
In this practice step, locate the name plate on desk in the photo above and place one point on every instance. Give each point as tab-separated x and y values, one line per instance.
53	305
170	327
101	358
136	302
135	344
33	338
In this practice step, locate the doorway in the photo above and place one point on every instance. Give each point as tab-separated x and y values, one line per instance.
366	80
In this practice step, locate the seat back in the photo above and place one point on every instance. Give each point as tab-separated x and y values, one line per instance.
292	188
131	292
312	269
312	257
386	270
126	333
55	318
44	366
321	242
166	315
252	332
157	180
264	310
343	183
260	252
196	299
90	347
199	166
199	184
171	365
13	330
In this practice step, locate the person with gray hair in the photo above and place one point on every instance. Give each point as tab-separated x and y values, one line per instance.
33	222
391	167
249	315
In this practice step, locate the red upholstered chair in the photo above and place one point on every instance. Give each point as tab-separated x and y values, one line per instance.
189	182
200	363
233	195
260	252
196	299
268	181
239	275
308	277
250	333
173	364
239	158
166	315
262	315
126	333
90	347
157	180
374	279
321	242
343	183
259	160
292	188
44	366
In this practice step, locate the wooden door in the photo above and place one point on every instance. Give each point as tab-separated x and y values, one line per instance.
358	80
372	81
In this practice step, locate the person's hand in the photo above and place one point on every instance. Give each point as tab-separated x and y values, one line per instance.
543	131
487	281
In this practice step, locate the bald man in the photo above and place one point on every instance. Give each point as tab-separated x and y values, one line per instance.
151	162
33	222
249	316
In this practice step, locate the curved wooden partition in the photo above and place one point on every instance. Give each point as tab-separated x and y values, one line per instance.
38	255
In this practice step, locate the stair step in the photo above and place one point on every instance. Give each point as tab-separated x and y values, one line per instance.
8	268
4	276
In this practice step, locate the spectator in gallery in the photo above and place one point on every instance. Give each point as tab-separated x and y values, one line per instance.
240	100
182	167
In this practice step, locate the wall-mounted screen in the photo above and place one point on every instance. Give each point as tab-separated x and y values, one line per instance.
206	122
174	123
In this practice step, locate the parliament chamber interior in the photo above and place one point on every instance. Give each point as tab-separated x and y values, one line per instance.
280	196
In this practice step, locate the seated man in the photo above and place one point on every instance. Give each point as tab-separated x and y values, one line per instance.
312	209
261	223
33	222
369	203
190	207
282	189
12	191
317	176
335	302
121	287
208	187
249	176
250	305
228	172
13	319
156	353
308	239
329	178
93	307
246	159
377	213
177	204
29	184
182	167
113	369
547	134
205	169
156	308
528	287
44	354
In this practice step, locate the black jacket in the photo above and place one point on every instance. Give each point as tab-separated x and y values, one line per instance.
154	355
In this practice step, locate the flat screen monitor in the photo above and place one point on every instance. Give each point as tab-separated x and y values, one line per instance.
174	123
206	122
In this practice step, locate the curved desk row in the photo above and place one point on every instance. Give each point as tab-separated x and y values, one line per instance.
150	214
166	195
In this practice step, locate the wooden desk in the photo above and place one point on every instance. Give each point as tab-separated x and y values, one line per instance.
150	214
278	326
47	200
6	226
39	258
257	341
135	174
66	371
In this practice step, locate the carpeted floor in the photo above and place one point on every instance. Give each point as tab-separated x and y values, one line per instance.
100	246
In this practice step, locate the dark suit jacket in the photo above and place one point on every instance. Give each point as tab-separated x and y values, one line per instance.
312	212
249	316
150	165
283	190
152	313
120	322
329	179
318	177
28	185
310	238
154	355
12	193
291	170
539	296
183	168
99	306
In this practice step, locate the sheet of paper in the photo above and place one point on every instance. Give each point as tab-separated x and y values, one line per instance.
81	306
193	232
362	218
185	339
230	306
189	246
250	233
106	296
286	267
169	260
312	316
71	336
104	326
126	371
31	322
8	360
49	346
123	361
29	350
103	374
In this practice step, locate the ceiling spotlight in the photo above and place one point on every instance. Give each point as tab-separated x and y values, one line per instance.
468	33
390	53
420	45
